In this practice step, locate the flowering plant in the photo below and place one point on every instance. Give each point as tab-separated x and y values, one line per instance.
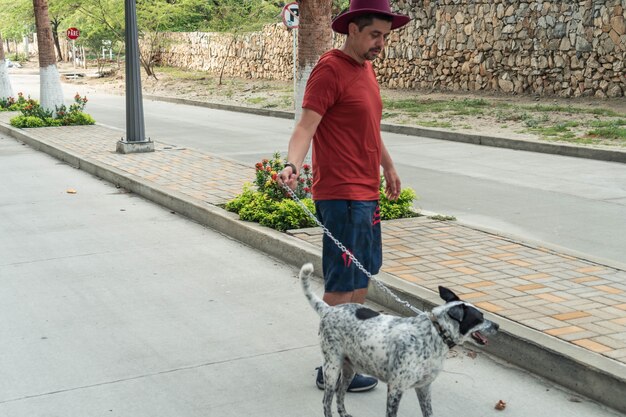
78	106
11	104
266	179
33	115
268	203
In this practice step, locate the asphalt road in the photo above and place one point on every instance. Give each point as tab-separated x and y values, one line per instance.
114	306
566	202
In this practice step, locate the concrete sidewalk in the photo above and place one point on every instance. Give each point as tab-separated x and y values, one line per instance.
563	316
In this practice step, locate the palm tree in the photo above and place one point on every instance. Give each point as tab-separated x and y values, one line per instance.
50	91
5	84
314	38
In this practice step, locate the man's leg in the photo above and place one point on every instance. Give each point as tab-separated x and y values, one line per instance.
359	383
341	284
336	298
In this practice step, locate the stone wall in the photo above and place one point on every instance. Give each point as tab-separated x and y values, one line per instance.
566	48
266	54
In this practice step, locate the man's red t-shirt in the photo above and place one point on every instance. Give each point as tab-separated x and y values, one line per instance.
347	143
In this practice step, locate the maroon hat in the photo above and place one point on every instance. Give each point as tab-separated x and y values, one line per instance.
360	7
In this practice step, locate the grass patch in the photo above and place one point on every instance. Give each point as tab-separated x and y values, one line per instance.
540	108
613	132
442	218
434	123
608	123
256	100
559	129
184	74
469	107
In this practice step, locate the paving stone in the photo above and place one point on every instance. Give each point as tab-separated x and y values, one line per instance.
564	330
592	346
619	354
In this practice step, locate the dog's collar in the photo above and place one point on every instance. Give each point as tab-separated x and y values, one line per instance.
442	332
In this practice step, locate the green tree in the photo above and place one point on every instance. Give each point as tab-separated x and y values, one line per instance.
16	21
242	15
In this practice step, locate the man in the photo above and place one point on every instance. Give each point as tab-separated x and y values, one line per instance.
342	111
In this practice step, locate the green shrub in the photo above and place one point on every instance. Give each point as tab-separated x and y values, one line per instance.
267	203
27	121
11	104
76	118
53	122
285	214
398	209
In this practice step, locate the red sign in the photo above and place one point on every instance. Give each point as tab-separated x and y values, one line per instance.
73	33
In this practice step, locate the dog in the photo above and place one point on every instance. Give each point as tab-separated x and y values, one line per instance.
404	352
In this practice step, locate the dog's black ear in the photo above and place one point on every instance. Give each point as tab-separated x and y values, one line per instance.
457	313
447	295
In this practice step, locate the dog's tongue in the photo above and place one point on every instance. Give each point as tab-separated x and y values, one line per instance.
480	338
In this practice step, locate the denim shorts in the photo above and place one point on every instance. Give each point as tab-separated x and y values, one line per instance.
356	224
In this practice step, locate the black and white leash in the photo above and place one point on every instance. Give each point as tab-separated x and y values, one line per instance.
356	262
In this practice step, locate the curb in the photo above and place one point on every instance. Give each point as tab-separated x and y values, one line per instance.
594	376
529	145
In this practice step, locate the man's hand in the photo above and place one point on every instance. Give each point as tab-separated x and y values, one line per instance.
392	184
289	177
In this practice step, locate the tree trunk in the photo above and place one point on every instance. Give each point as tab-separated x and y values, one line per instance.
314	38
50	91
5	84
232	41
55	34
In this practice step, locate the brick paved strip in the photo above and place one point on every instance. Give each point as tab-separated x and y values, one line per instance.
166	167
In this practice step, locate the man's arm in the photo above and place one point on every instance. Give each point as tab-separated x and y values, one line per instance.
392	180
299	145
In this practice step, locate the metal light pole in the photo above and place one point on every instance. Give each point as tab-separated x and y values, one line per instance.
135	128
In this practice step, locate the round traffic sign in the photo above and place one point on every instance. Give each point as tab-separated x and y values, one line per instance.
73	33
290	15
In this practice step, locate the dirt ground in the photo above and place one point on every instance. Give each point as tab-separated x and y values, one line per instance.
506	115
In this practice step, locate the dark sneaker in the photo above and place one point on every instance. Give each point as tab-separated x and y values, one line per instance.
360	383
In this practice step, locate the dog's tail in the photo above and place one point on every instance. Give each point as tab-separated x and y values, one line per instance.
317	303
